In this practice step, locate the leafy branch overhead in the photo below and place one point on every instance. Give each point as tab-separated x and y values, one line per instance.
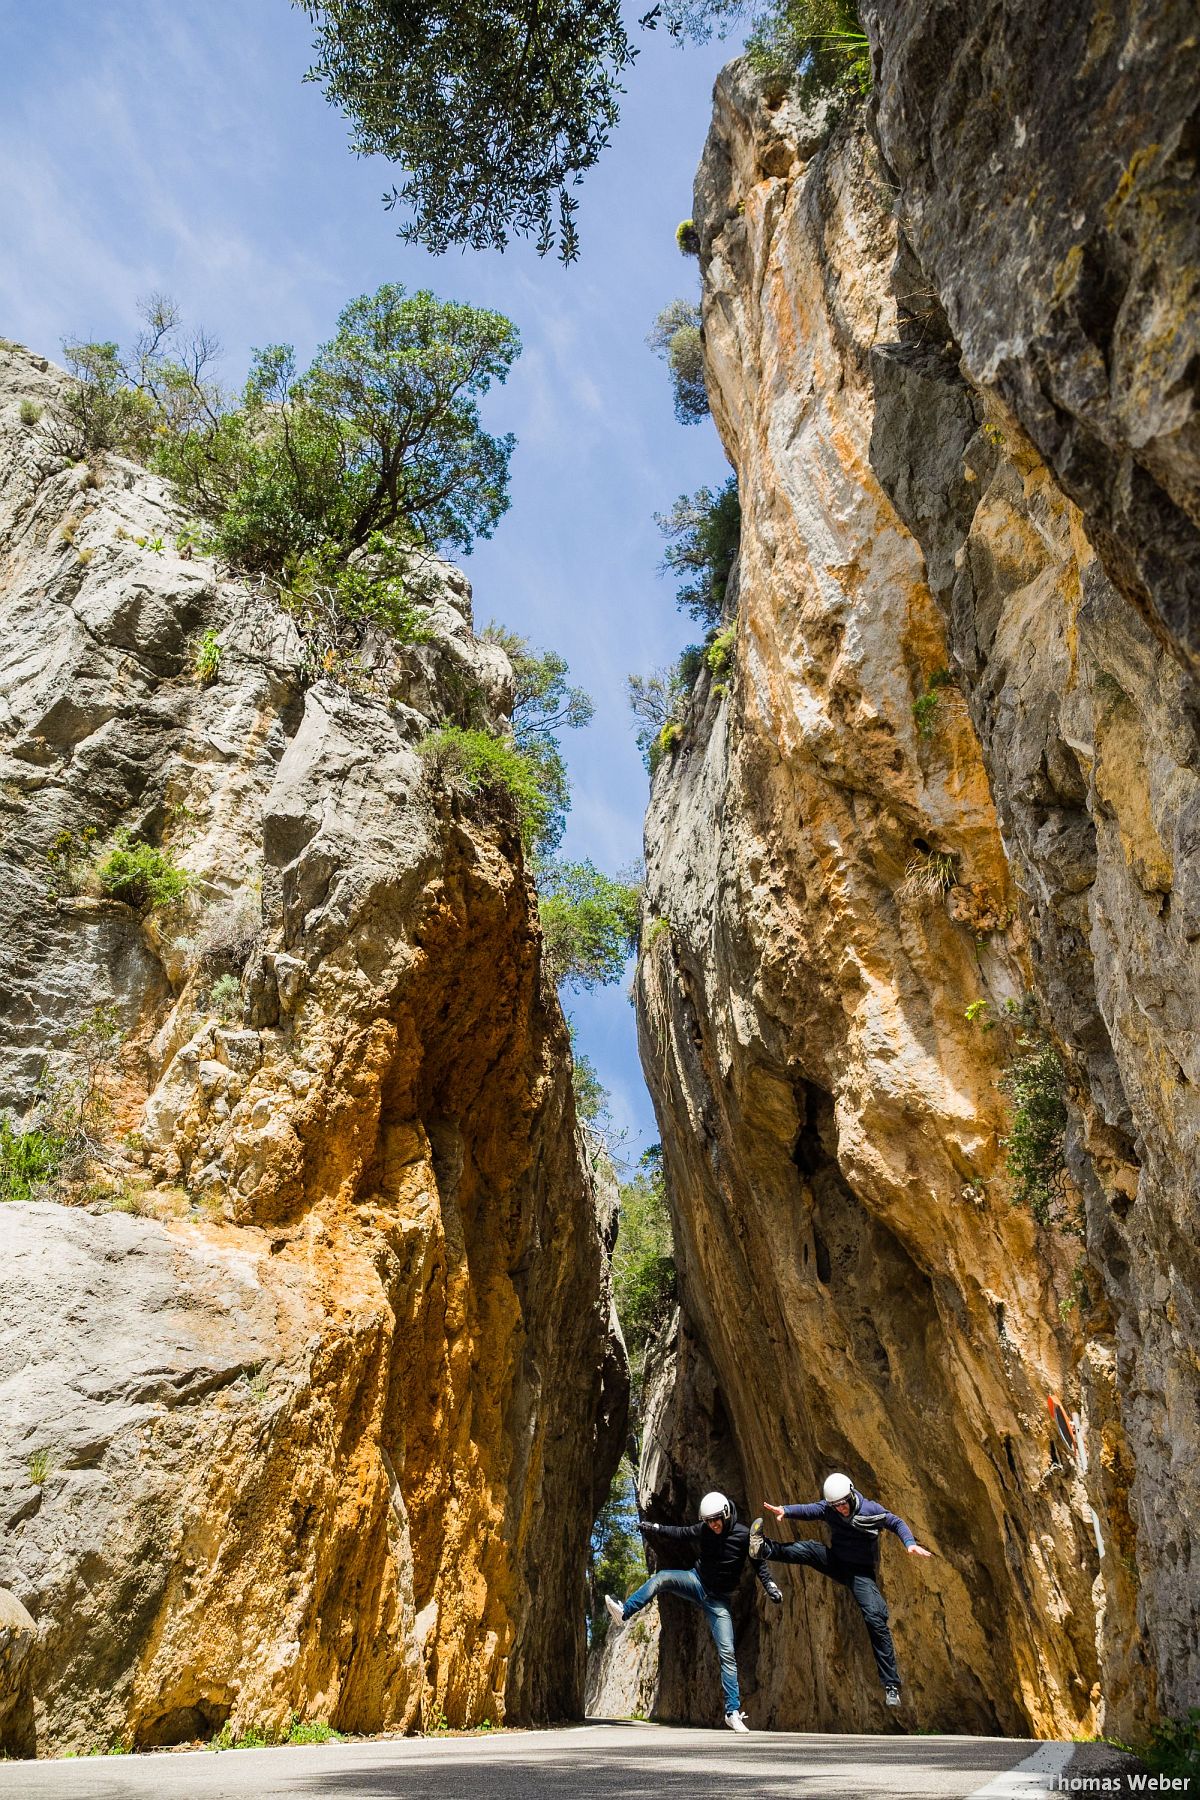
493	110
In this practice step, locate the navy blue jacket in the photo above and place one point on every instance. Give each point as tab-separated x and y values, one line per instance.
854	1541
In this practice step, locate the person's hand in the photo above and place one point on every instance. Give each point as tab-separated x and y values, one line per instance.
916	1550
775	1511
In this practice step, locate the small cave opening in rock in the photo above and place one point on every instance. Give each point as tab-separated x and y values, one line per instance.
184	1725
815	1145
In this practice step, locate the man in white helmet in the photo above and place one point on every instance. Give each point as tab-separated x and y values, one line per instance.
851	1557
722	1546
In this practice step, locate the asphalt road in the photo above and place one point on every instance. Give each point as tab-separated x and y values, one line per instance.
595	1761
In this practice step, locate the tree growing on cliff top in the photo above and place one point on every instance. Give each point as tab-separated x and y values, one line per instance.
380	434
380	437
128	401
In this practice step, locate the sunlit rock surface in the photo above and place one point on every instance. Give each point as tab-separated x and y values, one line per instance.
319	1426
1045	168
851	1264
1066	266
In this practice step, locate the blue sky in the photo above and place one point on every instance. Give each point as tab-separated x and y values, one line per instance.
153	144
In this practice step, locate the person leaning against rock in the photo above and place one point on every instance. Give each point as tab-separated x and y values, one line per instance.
851	1557
722	1546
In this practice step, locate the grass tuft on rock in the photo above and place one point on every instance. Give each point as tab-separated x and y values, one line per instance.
482	764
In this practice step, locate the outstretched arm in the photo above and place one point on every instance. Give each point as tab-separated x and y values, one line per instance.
893	1522
668	1531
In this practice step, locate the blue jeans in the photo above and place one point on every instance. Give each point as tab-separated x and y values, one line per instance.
862	1585
688	1585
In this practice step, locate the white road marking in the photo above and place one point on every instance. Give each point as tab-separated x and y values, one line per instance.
1032	1777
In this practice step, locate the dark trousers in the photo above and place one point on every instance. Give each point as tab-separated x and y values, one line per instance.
862	1585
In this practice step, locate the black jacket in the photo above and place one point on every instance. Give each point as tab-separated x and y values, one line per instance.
721	1555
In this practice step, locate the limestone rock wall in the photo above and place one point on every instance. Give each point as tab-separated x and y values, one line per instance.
1045	163
851	1263
1038	430
309	1394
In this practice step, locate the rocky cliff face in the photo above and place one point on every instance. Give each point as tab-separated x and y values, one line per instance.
1062	377
954	764
309	1392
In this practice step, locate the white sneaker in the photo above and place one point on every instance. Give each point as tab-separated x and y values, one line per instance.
736	1721
756	1539
616	1611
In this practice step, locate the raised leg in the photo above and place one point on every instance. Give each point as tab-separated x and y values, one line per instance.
812	1555
684	1582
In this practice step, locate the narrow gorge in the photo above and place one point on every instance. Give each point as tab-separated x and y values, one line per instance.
315	1353
939	816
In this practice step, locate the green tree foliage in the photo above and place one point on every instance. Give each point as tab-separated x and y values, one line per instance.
337	604
70	1111
494	111
544	704
591	1095
657	702
644	1280
131	402
1174	1750
380	434
490	765
687	237
141	874
702	532
29	1159
821	41
340	482
589	923
676	337
1035	1082
616	1558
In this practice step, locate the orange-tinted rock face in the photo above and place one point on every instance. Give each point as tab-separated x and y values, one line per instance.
846	848
323	1405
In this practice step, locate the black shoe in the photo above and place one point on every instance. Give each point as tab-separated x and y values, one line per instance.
891	1696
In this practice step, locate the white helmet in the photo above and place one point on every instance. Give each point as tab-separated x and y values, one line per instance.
715	1506
838	1487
